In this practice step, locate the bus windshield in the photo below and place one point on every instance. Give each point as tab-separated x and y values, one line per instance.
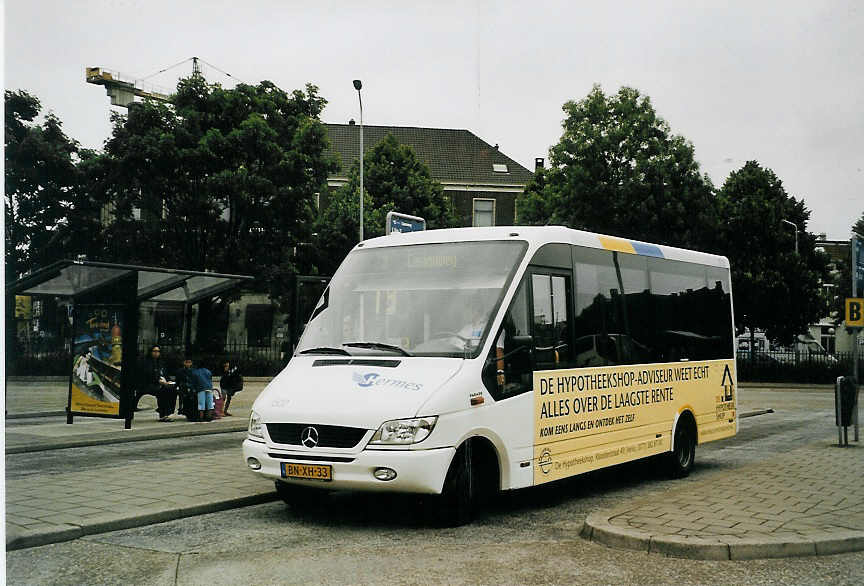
418	300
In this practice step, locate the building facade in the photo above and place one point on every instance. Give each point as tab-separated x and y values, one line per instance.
482	182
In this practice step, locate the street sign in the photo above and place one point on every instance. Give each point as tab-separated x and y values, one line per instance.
854	312
397	222
857	248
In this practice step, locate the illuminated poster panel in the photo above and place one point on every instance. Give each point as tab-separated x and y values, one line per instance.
95	384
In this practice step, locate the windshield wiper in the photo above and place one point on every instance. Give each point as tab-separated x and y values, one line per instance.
378	346
325	350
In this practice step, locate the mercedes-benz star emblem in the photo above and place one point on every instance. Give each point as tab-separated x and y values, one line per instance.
309	437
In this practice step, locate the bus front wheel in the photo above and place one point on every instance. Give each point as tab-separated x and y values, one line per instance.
456	502
680	459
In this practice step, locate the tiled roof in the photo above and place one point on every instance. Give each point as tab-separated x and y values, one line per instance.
451	155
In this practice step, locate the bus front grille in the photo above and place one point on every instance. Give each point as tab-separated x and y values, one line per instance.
327	436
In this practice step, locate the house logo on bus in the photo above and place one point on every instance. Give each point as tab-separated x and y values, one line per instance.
727	384
373	379
545	461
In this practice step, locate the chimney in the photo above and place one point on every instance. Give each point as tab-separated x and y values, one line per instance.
538	163
496	146
351	122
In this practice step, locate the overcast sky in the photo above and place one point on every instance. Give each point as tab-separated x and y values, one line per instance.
778	82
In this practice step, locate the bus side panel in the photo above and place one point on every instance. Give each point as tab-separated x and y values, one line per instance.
589	418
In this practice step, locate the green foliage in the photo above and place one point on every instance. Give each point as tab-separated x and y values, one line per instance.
47	215
617	170
394	180
221	180
776	290
841	278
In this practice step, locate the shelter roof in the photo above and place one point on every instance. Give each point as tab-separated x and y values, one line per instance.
71	278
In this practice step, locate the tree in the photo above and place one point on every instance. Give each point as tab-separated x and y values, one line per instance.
46	214
394	180
776	289
618	170
220	179
842	279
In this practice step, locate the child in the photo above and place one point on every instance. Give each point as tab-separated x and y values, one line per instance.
202	382
230	383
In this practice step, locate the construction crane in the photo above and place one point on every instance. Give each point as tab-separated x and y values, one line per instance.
123	91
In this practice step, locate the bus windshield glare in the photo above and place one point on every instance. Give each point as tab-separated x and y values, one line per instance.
418	300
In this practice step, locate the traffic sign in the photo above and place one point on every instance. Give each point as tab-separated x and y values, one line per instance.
857	248
854	312
397	222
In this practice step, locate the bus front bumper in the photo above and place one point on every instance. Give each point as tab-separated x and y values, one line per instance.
417	471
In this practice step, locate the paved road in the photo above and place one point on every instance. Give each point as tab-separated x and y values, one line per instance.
50	463
530	536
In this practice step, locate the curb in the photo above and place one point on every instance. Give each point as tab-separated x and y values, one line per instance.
35	414
760	386
755	412
119	439
22	540
599	529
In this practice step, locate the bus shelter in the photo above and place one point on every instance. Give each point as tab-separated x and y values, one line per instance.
105	300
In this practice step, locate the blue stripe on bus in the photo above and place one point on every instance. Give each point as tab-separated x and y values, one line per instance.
647	249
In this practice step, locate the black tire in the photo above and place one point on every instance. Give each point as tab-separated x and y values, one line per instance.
455	506
680	460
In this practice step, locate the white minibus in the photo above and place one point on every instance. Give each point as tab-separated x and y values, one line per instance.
465	361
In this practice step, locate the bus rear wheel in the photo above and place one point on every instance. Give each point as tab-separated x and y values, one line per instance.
680	460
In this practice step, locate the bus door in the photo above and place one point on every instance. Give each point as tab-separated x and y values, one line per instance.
551	295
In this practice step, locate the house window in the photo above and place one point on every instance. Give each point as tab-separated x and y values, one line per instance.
259	324
499	168
484	212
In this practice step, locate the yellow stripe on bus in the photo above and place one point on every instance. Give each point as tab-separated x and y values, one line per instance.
616	244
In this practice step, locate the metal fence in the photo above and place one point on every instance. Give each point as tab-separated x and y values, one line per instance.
796	367
787	367
252	360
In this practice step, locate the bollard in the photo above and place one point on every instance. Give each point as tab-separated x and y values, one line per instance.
845	407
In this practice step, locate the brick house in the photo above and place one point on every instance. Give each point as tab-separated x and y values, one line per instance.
482	181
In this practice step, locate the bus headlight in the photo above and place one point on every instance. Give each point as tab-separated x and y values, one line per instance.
256	427
404	431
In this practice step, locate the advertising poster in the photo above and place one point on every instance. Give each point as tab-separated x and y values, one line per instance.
589	418
95	385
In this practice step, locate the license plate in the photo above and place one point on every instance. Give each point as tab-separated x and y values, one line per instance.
309	471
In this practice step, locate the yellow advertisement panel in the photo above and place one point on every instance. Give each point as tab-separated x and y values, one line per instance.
93	401
23	307
589	418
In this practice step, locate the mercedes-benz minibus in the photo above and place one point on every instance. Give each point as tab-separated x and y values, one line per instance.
464	361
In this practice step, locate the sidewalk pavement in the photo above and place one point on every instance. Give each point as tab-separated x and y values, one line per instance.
29	404
42	510
810	501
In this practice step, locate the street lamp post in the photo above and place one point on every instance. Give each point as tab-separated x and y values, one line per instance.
358	85
793	224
